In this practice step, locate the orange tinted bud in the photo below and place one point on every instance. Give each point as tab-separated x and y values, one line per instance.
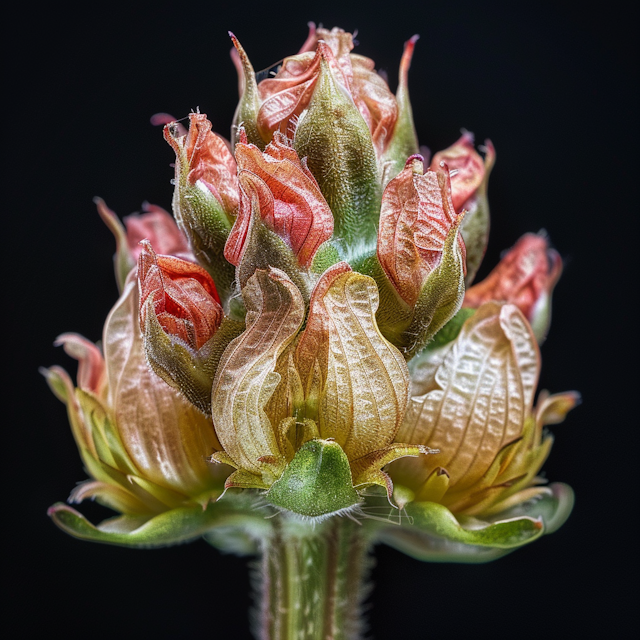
525	276
209	160
290	201
416	216
159	228
183	296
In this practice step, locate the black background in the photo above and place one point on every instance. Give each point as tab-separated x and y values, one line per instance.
552	86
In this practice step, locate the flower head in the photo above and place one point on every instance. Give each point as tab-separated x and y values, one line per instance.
299	332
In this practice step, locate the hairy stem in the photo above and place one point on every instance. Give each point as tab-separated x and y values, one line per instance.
312	580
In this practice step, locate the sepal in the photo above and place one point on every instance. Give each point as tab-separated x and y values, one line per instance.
316	483
246	114
404	140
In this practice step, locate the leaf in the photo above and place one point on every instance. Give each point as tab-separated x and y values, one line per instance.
171	527
435	519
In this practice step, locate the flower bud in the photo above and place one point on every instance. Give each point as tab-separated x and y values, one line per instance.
422	255
525	276
180	314
290	204
336	141
206	195
469	183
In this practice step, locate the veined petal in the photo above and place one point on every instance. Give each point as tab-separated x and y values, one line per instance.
363	379
206	196
526	277
374	100
158	227
246	379
484	392
91	368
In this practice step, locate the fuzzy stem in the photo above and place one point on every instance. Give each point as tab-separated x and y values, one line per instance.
312	580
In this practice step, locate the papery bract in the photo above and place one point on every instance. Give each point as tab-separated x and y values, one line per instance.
478	411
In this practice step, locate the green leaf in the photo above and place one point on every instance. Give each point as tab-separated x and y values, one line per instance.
436	519
429	549
553	506
430	532
171	527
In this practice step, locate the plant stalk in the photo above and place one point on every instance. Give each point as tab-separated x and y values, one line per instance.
312	579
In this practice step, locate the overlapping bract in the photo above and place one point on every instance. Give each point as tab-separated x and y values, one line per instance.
303	324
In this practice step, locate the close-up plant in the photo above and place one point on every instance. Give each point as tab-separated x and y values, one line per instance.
301	364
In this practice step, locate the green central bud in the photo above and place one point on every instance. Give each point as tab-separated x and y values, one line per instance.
317	482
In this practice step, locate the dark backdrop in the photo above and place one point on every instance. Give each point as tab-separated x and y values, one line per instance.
552	87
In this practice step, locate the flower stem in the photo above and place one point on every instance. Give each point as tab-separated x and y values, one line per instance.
312	580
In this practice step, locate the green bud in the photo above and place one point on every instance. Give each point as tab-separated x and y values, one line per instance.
336	141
